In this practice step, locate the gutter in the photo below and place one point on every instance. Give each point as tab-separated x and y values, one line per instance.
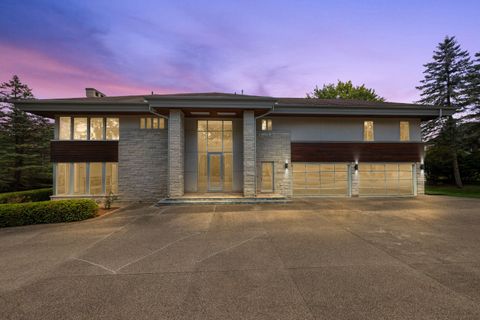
268	112
150	109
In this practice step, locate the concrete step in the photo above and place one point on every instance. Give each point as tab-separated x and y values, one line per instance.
220	200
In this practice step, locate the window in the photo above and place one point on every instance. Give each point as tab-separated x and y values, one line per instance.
80	129
62	178
111	177
96	128
404	131
65	128
266	124
112	131
102	178
152	123
79	178
96	169
368	131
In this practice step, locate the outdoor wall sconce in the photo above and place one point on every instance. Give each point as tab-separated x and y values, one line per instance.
422	166
286	164
356	166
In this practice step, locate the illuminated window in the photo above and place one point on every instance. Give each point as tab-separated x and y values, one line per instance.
96	128
96	169
79	178
62	178
152	123
65	128
112	131
368	131
266	124
404	131
80	128
111	177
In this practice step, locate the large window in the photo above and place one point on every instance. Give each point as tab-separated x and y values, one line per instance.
404	131
368	134
86	178
85	128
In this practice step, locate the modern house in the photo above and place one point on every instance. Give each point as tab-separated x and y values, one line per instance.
179	145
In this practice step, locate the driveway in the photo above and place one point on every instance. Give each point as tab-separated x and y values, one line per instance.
310	259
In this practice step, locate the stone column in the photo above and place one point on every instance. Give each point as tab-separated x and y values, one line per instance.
249	153
176	148
354	181
420	180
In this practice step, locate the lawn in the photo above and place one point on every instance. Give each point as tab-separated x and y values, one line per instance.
470	191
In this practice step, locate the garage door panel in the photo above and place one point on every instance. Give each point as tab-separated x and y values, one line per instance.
320	179
386	179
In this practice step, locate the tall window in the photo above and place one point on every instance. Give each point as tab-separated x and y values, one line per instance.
266	124
79	178
111	177
368	134
62	180
65	128
112	131
96	173
80	131
96	128
404	131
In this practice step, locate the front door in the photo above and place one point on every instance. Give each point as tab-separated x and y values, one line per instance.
215	171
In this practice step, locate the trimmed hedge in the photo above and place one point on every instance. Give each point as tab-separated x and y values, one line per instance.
19	214
26	196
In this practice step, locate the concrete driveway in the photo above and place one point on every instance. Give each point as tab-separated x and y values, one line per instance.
310	259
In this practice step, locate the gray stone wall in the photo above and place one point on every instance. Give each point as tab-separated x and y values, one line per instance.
142	162
176	153
420	180
249	161
275	147
354	181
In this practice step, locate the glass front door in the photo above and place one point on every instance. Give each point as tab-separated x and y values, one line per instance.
215	171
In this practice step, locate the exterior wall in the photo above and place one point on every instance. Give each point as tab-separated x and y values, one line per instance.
420	180
142	162
275	147
315	129
191	157
176	150
249	158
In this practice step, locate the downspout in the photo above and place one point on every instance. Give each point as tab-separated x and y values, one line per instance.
150	109
255	144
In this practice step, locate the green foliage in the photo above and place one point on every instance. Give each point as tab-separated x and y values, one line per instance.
473	90
109	199
470	191
24	142
26	196
344	90
19	214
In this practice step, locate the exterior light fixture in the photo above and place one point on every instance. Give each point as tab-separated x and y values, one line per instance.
356	166
422	166
286	164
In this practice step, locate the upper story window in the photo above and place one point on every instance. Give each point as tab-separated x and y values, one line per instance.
85	128
266	124
404	131
152	123
368	134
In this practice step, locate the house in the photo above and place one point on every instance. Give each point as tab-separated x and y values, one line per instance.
170	146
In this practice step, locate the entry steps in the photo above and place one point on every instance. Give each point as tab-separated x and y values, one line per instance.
223	200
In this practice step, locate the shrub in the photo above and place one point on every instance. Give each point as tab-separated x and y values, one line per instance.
18	214
26	196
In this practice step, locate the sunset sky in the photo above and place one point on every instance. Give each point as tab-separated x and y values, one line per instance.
278	48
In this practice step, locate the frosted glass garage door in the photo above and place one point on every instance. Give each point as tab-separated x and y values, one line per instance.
320	179
385	179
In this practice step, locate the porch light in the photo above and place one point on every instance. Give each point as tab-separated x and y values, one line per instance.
286	164
422	166
356	167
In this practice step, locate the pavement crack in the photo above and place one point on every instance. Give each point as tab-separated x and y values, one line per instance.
96	265
231	247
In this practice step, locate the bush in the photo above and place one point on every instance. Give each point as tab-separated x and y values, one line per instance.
19	214
26	196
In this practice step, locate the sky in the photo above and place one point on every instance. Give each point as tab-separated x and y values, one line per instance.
263	47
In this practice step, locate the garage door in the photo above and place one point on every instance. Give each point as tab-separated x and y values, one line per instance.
320	179
385	179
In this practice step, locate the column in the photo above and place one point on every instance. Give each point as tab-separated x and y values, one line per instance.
249	154
176	142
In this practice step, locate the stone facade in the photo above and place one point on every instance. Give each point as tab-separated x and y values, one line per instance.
354	181
176	153
275	147
249	152
142	162
420	180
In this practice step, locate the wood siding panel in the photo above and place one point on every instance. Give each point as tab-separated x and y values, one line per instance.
352	151
84	151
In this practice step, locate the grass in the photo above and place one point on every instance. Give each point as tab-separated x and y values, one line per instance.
469	191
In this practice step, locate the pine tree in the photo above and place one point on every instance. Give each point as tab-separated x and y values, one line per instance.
444	84
473	90
24	142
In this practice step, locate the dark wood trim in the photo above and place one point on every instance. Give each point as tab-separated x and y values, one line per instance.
84	151
357	151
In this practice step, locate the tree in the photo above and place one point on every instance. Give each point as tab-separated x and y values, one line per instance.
24	141
344	90
444	84
473	89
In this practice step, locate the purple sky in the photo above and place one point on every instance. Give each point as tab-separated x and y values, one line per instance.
279	48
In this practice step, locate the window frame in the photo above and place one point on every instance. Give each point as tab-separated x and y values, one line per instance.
407	128
88	117
266	125
365	132
149	123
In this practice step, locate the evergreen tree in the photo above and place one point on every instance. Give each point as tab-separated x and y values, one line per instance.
444	84
473	89
24	142
344	90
